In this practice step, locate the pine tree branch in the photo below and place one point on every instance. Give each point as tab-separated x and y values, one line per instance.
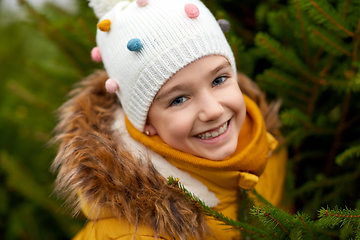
340	216
346	9
312	185
289	81
64	44
268	215
88	32
292	103
339	131
343	217
351	122
316	87
240	226
261	198
341	127
327	40
292	93
327	67
334	194
303	35
305	155
318	54
280	55
342	28
347	154
289	117
28	96
312	100
267	203
306	226
356	46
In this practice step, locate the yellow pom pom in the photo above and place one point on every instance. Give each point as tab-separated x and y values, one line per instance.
104	25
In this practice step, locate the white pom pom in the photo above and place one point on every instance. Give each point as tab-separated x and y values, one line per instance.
101	7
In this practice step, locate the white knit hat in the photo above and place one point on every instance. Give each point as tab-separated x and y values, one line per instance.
144	42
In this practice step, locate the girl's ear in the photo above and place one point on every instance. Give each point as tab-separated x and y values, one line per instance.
148	127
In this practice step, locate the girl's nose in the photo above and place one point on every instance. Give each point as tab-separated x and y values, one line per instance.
210	109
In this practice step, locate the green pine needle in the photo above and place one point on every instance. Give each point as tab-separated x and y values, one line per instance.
282	56
337	216
330	42
324	14
350	153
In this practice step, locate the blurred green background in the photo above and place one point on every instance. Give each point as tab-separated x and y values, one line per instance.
39	65
45	51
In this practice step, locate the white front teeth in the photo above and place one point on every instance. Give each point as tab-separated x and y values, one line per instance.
209	135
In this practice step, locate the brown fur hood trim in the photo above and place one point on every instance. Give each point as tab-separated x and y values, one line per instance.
92	162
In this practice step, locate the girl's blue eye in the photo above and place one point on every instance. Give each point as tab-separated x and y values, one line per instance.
178	101
218	81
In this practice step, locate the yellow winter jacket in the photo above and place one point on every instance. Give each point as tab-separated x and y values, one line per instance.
247	168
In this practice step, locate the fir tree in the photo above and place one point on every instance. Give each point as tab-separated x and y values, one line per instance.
42	56
313	48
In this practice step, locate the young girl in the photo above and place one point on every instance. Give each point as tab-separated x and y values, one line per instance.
178	111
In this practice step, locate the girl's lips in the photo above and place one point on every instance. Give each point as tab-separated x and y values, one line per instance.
219	138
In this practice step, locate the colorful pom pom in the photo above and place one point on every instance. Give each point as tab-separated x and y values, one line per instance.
104	25
191	10
96	55
224	25
111	86
142	3
134	45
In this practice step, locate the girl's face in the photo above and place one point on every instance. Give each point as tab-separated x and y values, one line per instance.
200	110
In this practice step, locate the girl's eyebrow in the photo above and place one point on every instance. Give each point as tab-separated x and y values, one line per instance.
182	87
179	87
222	66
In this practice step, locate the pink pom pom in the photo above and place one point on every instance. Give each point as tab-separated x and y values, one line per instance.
142	3
96	55
191	10
111	86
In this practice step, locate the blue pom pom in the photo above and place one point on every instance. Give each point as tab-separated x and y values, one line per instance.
134	45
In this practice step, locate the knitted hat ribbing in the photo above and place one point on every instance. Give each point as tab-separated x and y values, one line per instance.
148	43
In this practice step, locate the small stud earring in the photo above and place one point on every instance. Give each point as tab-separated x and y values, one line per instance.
147	133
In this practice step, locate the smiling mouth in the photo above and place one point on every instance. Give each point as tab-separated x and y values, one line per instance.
214	133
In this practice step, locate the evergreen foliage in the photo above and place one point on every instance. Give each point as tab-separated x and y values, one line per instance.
268	222
316	69
302	51
42	56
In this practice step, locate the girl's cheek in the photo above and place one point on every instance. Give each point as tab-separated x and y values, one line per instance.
180	124
179	128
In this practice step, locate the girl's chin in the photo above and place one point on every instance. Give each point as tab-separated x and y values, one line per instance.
217	154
